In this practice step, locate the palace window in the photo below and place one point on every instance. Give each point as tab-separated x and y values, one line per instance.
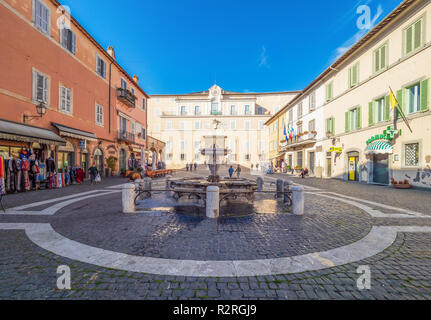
413	36
380	58
41	16
40	87
65	99
100	66
413	98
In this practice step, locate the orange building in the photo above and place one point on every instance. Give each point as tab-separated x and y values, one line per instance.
92	109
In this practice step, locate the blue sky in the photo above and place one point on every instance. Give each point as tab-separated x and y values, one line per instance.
259	46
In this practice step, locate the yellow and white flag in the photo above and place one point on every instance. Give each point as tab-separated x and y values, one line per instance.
393	100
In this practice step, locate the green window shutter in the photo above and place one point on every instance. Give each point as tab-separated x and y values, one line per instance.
387	108
327	126
424	95
333	126
370	113
356	74
417	34
359	118
408	40
400	102
347	122
383	57
376	60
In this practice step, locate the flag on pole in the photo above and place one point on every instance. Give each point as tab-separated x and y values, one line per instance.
393	100
394	103
285	134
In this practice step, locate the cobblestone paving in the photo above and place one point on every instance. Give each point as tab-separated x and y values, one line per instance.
403	271
325	225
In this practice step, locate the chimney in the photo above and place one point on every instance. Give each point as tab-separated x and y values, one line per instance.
111	52
136	79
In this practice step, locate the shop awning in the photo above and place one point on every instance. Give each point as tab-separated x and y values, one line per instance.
15	131
379	147
74	133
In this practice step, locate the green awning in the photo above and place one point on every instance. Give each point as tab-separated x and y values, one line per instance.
379	147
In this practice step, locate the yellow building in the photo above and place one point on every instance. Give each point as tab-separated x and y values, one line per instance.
183	120
361	138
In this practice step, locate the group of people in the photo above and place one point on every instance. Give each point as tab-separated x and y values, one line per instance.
191	166
232	171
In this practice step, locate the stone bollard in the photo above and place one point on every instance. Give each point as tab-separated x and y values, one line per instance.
213	202
287	184
260	184
168	182
279	188
128	198
148	184
298	200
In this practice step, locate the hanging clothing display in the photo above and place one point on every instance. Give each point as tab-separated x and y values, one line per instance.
2	176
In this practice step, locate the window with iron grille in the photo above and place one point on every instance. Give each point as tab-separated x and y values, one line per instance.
412	155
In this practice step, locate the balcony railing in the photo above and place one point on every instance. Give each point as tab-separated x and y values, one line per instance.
126	97
126	136
216	113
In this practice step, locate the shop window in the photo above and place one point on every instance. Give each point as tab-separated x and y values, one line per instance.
412	155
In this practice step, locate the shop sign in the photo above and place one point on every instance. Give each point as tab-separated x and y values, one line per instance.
336	149
82	144
388	134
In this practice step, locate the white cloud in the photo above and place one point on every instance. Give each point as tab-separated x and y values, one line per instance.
263	61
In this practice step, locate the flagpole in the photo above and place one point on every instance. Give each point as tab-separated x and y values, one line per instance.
401	112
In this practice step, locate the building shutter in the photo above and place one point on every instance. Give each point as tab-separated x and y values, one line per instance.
104	68
45	89
38	13
417	34
73	42
424	95
370	113
377	60
64	37
400	102
387	108
333	126
358	118
328	128
409	38
383	57
347	121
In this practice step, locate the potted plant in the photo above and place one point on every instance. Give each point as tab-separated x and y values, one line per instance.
123	172
112	164
401	184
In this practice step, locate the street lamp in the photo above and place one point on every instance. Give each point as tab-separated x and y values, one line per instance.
40	109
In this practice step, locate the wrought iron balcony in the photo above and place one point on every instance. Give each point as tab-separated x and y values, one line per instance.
126	136
126	97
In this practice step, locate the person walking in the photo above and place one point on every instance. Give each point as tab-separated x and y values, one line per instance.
196	166
238	171
230	172
187	166
93	173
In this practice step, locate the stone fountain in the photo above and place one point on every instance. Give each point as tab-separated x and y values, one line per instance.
211	191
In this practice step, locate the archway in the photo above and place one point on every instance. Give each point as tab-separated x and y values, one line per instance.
98	160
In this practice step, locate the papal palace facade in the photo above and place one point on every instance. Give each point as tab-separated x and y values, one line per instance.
183	120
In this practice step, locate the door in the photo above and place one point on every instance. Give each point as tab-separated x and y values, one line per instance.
353	166
98	159
311	162
84	163
381	169
122	159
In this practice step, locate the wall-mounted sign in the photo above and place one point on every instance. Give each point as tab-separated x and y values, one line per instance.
388	134
336	150
82	144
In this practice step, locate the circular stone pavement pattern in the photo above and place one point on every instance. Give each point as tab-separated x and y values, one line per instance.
326	224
